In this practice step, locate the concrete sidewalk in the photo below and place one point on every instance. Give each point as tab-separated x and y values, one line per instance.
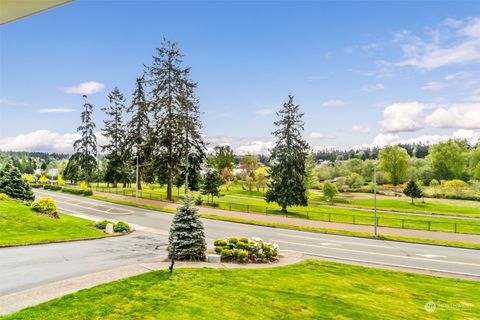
409	233
20	300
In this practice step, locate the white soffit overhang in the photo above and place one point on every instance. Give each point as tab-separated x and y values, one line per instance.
11	10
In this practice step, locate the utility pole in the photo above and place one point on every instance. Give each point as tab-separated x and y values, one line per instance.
375	197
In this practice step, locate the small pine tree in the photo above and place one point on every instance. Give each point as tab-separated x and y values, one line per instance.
211	184
412	190
187	237
12	184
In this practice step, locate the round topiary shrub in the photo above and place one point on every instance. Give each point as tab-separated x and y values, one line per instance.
121	227
46	206
218	249
226	253
242	255
102	224
219	243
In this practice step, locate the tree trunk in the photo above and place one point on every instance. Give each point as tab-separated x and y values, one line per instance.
169	188
284	209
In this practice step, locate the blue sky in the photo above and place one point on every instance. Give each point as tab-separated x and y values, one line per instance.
363	72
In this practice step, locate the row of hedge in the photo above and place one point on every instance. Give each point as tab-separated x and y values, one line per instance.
84	192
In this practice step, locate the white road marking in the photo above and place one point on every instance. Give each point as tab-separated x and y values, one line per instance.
330	244
431	255
379	254
337	241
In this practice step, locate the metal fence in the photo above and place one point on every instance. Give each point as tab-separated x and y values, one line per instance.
428	225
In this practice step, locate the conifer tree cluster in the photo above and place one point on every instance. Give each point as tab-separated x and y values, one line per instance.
162	124
187	237
288	157
13	185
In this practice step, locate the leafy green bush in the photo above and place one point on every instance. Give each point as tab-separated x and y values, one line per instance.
52	187
3	196
199	200
246	250
36	185
226	253
46	206
242	256
88	192
72	191
102	224
220	243
121	227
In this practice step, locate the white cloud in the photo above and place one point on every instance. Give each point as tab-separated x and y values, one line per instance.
455	43
44	140
55	110
383	140
372	87
255	147
333	103
263	112
433	86
405	116
85	88
455	75
319	135
462	116
359	129
13	103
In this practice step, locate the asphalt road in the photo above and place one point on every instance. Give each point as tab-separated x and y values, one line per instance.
26	267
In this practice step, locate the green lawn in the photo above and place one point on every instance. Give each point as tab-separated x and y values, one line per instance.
256	204
21	225
308	290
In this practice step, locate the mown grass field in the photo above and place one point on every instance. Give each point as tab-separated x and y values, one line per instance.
21	225
331	213
307	290
354	200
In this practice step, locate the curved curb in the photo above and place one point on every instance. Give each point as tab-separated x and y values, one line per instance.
19	300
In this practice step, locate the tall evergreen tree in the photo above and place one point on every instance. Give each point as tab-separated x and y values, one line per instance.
168	80
86	146
288	157
192	144
412	190
114	131
138	127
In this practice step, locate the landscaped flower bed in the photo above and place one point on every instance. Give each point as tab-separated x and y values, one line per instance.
246	250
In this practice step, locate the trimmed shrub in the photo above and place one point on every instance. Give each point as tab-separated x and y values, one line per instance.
73	191
36	185
199	200
246	250
102	224
220	243
3	196
51	187
121	227
242	256
46	206
226	253
88	192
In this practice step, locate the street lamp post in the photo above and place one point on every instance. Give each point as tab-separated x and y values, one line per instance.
135	150
375	196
